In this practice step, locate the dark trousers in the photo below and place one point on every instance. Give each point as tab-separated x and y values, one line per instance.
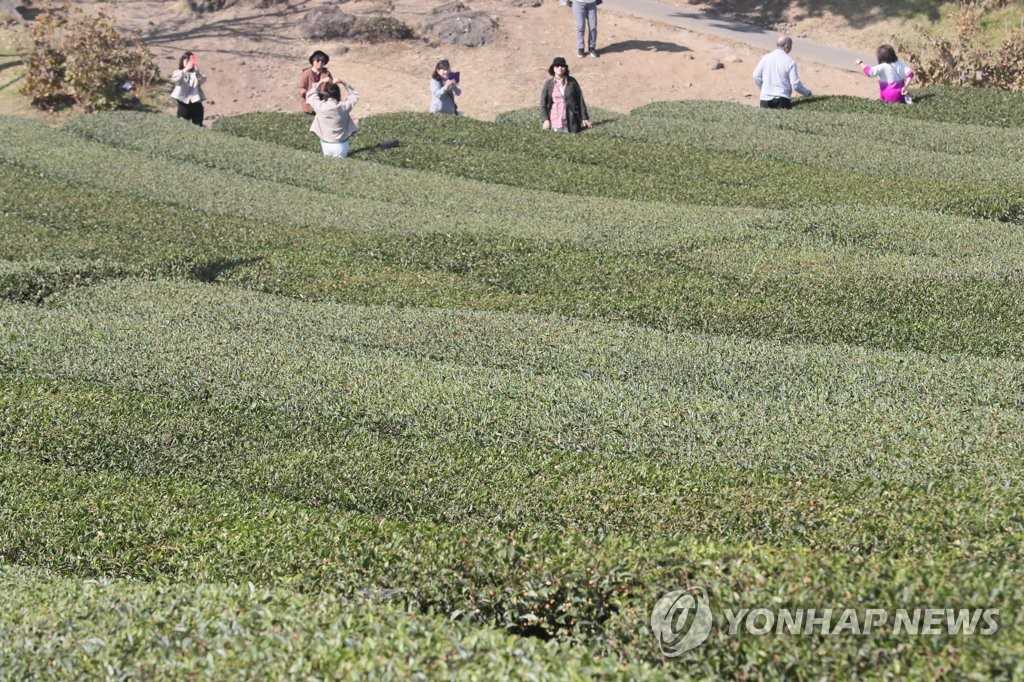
191	112
777	103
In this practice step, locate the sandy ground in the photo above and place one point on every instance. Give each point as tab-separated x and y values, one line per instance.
253	57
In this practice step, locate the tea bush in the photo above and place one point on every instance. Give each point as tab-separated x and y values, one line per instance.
824	275
120	628
945	104
262	440
265	414
652	171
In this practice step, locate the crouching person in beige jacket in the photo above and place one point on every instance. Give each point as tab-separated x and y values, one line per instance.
333	123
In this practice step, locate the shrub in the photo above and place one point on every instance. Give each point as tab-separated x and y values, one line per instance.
76	58
965	59
380	28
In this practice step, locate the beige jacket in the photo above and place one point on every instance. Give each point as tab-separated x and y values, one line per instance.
188	86
333	123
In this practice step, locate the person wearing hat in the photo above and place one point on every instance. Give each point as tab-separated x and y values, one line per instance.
562	108
316	76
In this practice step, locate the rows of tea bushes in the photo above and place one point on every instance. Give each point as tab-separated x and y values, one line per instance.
406	374
548	478
741	170
469	407
100	629
843	142
968	106
990	108
898	279
846	143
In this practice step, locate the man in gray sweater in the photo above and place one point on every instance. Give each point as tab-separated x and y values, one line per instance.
777	77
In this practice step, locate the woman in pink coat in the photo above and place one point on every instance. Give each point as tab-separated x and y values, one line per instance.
893	75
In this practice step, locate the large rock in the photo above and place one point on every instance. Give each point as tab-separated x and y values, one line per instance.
327	22
469	29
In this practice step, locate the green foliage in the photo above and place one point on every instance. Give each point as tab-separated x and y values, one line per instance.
898	279
547	478
530	118
467	408
34	282
652	169
285	129
77	58
985	107
64	629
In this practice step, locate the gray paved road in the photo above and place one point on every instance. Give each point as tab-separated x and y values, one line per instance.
734	30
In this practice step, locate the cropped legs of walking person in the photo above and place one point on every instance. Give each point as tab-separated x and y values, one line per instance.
585	14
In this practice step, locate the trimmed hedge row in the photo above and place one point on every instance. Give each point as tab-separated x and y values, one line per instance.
394	468
652	171
56	628
534	582
843	143
294	369
985	107
512	210
532	579
887	229
756	283
34	281
436	473
716	177
945	104
890	279
322	364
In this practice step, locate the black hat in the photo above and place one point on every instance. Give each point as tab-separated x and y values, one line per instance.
322	56
557	61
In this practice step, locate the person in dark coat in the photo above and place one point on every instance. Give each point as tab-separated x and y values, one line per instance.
562	108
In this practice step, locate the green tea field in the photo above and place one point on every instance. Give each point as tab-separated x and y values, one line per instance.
469	407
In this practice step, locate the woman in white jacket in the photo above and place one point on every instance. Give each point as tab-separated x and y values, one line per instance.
333	123
444	86
188	90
